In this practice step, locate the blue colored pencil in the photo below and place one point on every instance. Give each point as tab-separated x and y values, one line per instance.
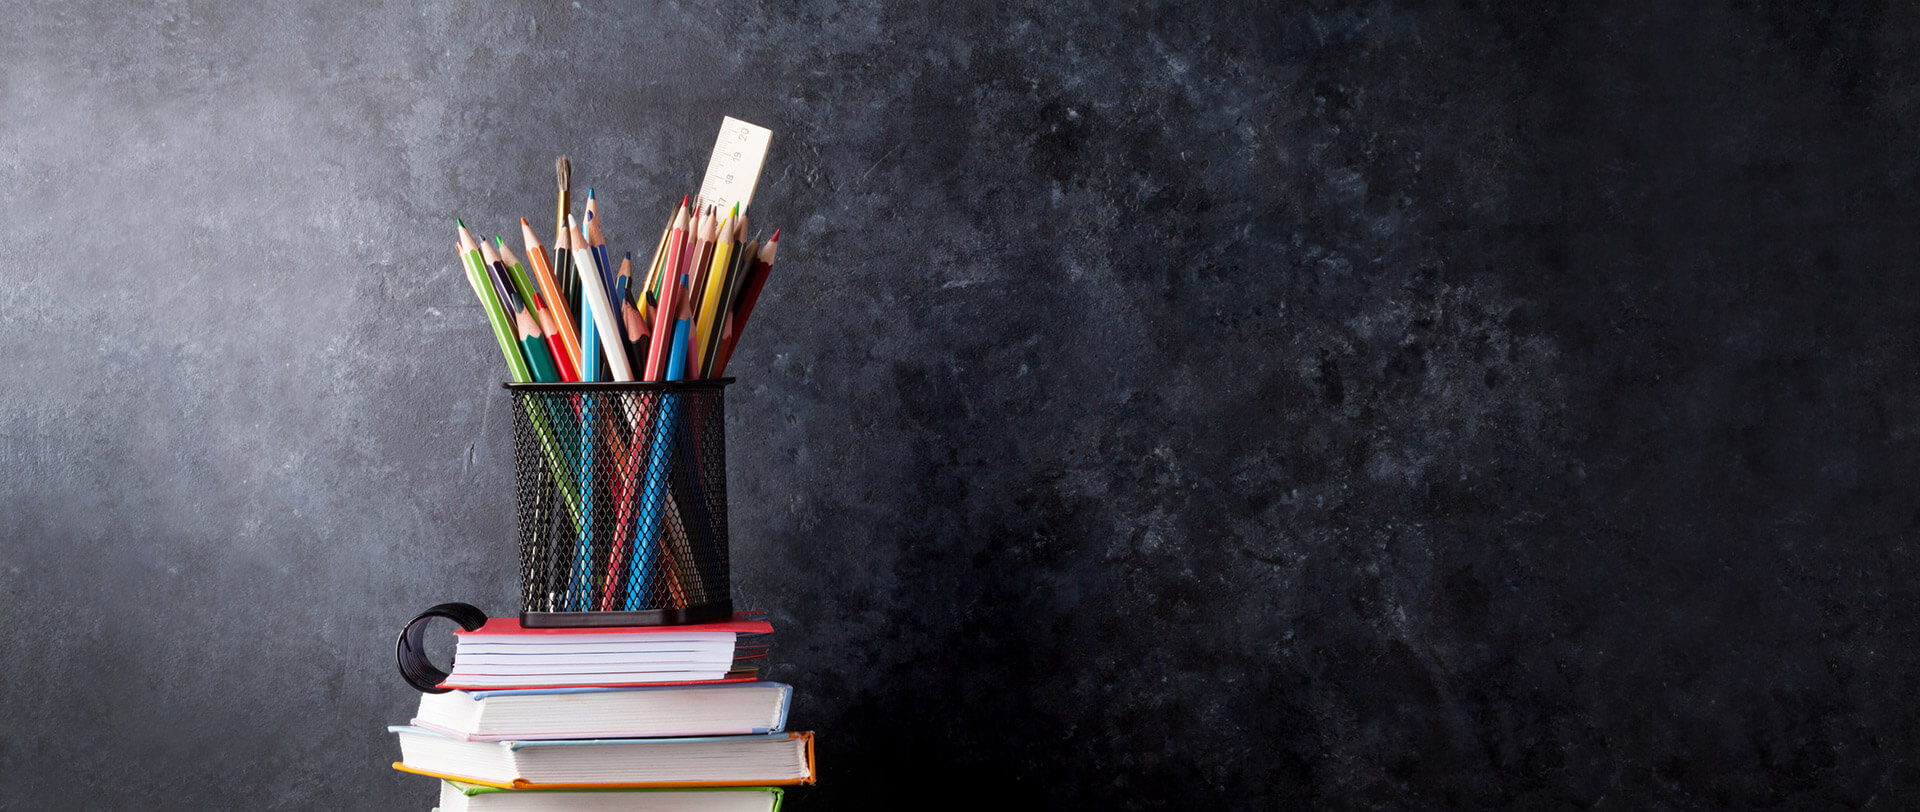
589	335
659	458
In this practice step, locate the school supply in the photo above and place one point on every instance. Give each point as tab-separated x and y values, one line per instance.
749	295
593	290
722	709
627	681
766	759
504	653
480	280
562	260
734	168
461	797
667	308
556	300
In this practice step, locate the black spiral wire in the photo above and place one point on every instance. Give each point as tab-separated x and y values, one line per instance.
411	651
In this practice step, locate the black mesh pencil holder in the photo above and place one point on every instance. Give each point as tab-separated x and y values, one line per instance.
622	502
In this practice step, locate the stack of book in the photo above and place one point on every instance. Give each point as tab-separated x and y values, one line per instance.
605	719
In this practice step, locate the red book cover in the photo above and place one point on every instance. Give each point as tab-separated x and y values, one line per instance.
742	624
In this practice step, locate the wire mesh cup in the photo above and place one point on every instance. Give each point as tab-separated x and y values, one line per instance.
622	502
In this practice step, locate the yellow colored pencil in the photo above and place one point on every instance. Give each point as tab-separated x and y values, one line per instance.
709	303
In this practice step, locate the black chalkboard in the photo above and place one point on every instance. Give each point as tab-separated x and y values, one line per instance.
1178	405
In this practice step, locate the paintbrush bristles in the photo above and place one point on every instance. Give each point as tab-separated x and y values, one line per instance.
563	172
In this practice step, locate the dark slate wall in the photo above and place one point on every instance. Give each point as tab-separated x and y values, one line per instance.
1172	405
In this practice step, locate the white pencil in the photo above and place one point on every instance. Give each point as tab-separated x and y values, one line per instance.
600	303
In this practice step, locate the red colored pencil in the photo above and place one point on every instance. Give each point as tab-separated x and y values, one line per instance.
748	296
666	311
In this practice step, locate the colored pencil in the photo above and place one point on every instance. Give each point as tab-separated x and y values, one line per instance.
556	348
722	326
737	271
762	267
658	349
539	359
710	279
516	273
623	311
483	282
555	299
648	292
540	368
537	309
502	283
600	304
597	241
702	269
479	278
695	264
646	539
590	226
636	335
589	337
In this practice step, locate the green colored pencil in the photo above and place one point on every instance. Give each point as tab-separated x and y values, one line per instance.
490	302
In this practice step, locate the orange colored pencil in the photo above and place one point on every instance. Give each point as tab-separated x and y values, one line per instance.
538	308
556	299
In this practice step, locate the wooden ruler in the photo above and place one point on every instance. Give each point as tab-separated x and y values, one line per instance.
735	167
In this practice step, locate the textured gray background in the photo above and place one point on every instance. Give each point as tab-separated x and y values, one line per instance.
1178	404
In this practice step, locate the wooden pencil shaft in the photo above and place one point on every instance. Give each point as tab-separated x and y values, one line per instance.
601	305
743	257
556	346
762	268
716	342
649	290
556	299
539	361
656	341
619	305
517	274
707	301
509	298
483	288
